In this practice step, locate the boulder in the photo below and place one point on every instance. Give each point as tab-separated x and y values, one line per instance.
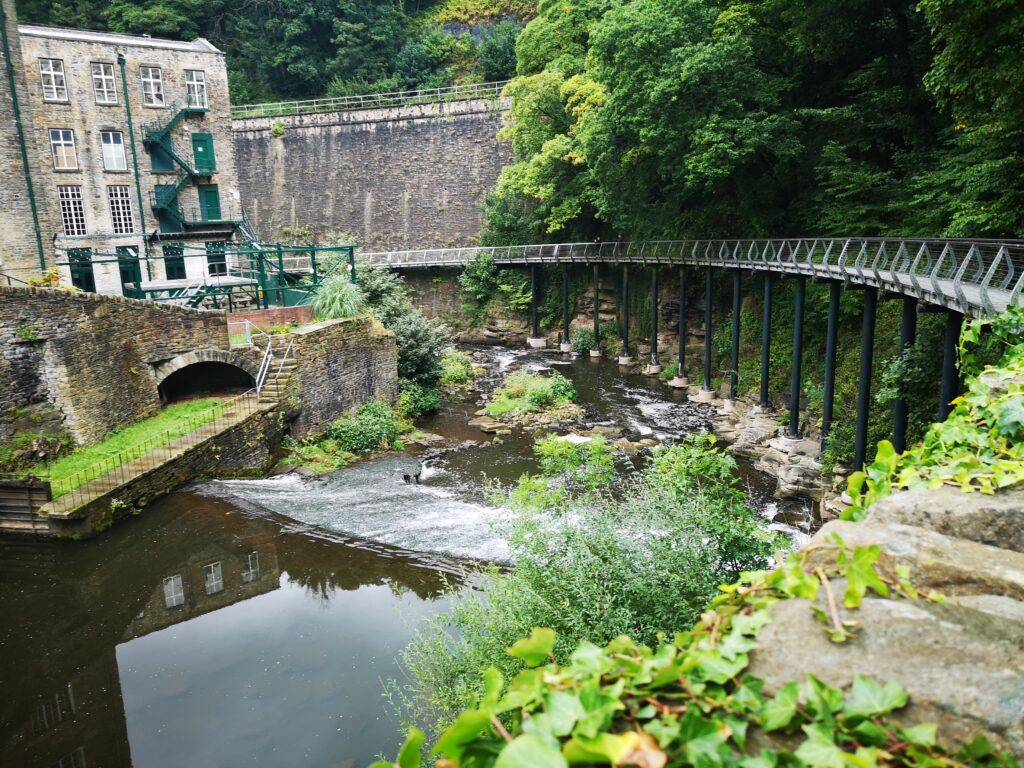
995	520
962	668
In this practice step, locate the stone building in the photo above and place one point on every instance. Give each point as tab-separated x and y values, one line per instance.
134	164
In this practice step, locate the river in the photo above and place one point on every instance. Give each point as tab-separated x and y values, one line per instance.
254	622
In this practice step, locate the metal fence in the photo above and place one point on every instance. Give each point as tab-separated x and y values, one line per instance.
372	100
979	277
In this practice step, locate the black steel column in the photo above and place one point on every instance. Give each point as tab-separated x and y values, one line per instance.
835	289
867	354
950	378
682	324
625	310
565	303
908	332
766	339
534	288
707	332
597	312
654	317
734	363
798	358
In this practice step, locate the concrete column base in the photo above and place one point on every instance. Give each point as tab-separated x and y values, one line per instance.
679	382
758	410
704	395
652	370
728	407
564	347
595	353
625	360
536	343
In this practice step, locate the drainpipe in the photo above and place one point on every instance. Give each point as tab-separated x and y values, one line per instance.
11	83
135	165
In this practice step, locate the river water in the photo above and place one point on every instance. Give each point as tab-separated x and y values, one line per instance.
254	622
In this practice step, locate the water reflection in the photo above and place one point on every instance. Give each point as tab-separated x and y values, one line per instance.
199	635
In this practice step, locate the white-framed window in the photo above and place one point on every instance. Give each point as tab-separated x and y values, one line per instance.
51	74
72	210
112	144
174	591
213	578
75	759
152	86
252	567
103	83
120	209
195	88
62	149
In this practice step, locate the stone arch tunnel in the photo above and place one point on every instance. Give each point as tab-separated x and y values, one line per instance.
203	371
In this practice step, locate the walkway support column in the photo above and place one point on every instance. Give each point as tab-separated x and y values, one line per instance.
950	378
706	393
867	349
798	358
624	357
680	379
596	350
763	403
536	341
654	368
566	345
908	334
734	358
835	289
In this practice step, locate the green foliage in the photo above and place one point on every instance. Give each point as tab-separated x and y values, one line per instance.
479	277
320	456
337	298
669	372
373	427
582	339
597	554
980	446
457	368
524	392
498	51
415	400
30	448
689	702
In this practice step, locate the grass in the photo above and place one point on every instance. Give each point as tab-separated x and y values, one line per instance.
527	392
68	472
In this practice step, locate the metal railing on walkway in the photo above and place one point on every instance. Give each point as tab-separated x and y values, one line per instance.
977	277
372	100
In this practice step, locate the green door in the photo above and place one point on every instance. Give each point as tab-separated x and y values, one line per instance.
162	162
202	151
80	264
174	261
216	258
209	202
168	212
130	269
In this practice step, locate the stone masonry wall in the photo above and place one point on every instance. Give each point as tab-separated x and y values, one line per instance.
91	357
341	365
408	177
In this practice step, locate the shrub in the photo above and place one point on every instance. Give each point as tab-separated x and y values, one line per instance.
415	400
497	56
583	339
669	372
374	426
337	298
525	392
595	558
479	278
457	368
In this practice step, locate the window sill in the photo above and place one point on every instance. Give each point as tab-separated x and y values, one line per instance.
107	104
110	170
67	170
154	106
66	102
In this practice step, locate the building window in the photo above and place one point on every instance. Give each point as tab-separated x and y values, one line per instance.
51	73
72	210
195	88
152	87
62	149
174	591
121	209
103	84
216	259
174	261
112	143
214	578
252	567
80	264
75	759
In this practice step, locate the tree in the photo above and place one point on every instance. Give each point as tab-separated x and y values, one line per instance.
498	51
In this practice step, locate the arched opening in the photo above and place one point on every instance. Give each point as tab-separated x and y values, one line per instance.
205	378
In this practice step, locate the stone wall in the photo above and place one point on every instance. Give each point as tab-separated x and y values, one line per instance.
89	359
265	319
402	177
341	365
